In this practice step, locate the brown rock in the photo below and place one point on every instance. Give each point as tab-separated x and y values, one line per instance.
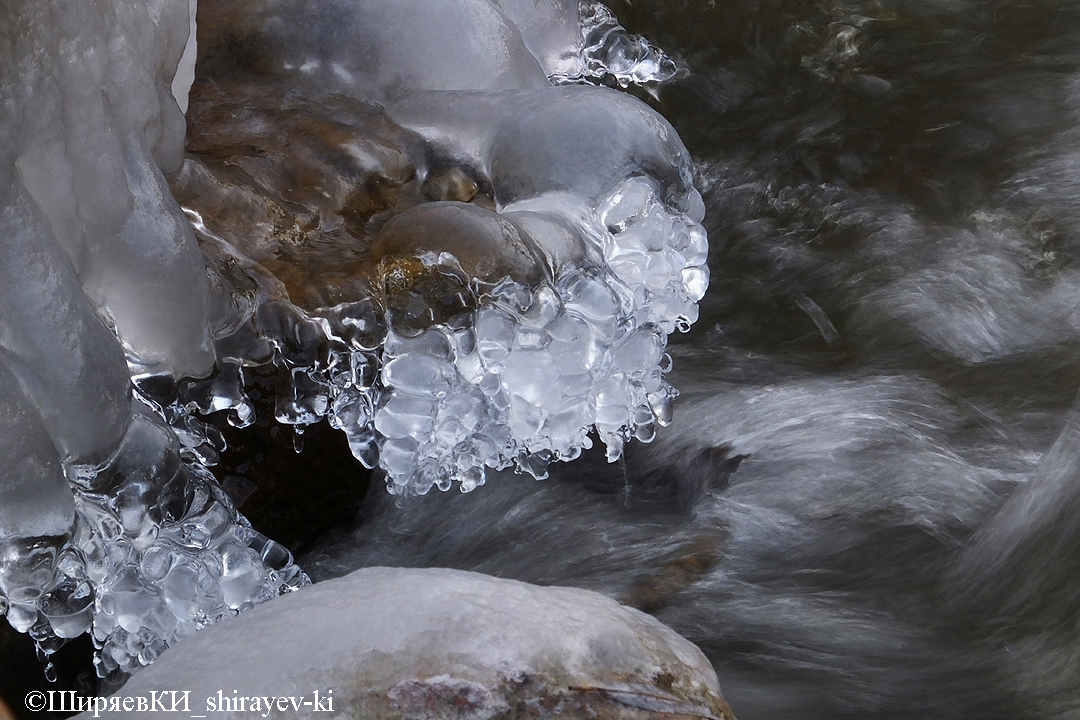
487	245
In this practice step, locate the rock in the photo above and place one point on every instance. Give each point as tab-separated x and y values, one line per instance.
487	245
293	184
437	643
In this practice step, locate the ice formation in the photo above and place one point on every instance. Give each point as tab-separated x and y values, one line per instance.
522	378
492	336
608	51
487	334
104	525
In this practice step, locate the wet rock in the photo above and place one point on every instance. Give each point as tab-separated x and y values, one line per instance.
653	592
487	245
436	643
297	184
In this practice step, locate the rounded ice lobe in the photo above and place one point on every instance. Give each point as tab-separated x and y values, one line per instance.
577	139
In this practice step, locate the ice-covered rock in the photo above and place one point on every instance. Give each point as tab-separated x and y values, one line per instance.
527	305
429	644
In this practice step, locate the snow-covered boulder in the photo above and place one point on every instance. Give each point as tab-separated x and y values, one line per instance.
436	643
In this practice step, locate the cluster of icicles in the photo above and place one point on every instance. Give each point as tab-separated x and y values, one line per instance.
518	377
157	552
609	51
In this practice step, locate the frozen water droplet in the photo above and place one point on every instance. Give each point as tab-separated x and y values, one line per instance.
534	464
470	368
405	416
494	334
364	445
544	307
630	267
696	250
472	479
612	401
642	349
419	374
696	282
531	375
302	397
397	456
695	206
614	444
627	204
490	384
358	325
660	402
525	419
589	297
433	343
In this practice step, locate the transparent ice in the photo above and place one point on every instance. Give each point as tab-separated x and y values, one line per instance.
609	51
